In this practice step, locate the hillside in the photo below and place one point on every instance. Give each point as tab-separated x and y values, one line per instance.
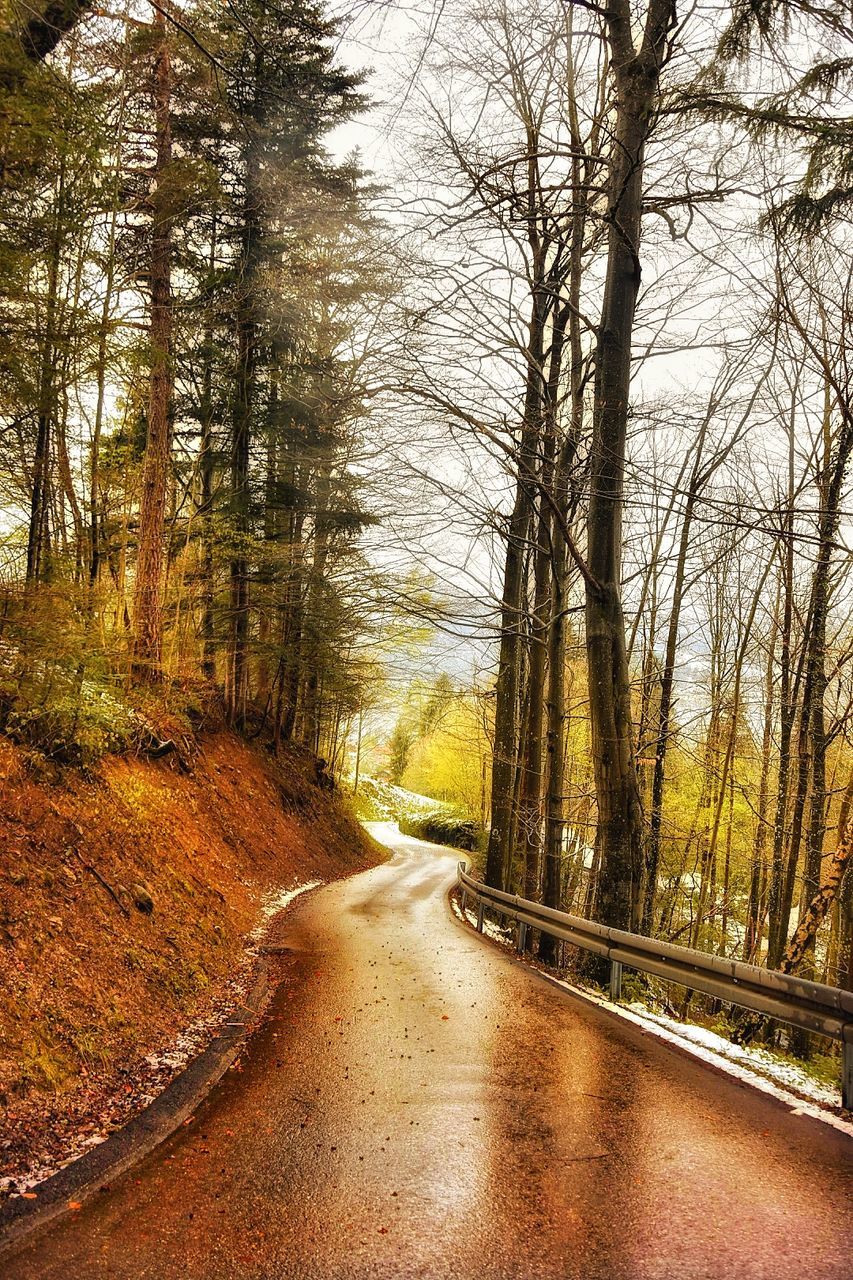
126	896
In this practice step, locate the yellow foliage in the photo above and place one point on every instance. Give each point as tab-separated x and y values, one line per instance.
453	762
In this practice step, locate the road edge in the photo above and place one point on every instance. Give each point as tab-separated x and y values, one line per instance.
133	1141
720	1065
128	1145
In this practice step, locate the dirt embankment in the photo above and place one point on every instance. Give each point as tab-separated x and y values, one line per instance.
125	901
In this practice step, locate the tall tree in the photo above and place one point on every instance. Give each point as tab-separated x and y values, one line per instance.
636	74
148	593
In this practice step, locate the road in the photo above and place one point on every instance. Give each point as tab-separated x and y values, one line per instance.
417	1105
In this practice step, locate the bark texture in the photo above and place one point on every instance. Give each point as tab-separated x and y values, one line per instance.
33	33
148	594
620	819
498	854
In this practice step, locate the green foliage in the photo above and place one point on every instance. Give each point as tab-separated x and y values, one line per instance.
75	722
55	694
796	115
402	740
365	804
444	826
59	695
387	802
440	745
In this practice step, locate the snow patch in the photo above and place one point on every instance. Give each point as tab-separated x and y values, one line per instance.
274	902
787	1073
201	1031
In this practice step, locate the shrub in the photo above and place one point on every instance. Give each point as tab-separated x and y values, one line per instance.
72	721
444	826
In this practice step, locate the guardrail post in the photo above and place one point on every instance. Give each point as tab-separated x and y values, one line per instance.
615	980
464	900
847	1074
480	913
522	935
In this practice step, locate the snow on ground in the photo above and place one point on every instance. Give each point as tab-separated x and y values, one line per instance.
274	902
785	1073
754	1065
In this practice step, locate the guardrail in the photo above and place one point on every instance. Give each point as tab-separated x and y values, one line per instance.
814	1006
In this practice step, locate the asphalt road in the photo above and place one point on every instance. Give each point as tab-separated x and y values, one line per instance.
418	1105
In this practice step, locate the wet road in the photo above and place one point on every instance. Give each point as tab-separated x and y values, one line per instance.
418	1106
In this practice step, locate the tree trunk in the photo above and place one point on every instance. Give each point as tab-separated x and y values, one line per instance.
801	946
812	737
206	476
291	628
556	710
530	802
620	818
101	376
45	26
830	487
758	873
786	717
148	594
555	767
845	941
311	705
237	681
666	692
505	751
38	538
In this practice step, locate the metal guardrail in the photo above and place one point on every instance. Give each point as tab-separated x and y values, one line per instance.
814	1006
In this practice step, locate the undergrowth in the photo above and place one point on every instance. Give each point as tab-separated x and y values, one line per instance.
75	713
444	827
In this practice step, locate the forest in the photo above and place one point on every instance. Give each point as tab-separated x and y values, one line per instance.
483	421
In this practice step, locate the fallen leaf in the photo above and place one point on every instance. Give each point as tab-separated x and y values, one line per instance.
74	1204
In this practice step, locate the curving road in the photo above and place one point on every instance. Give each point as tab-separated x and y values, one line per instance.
418	1105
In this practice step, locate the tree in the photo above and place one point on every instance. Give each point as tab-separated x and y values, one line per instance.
33	33
636	73
167	192
148	595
